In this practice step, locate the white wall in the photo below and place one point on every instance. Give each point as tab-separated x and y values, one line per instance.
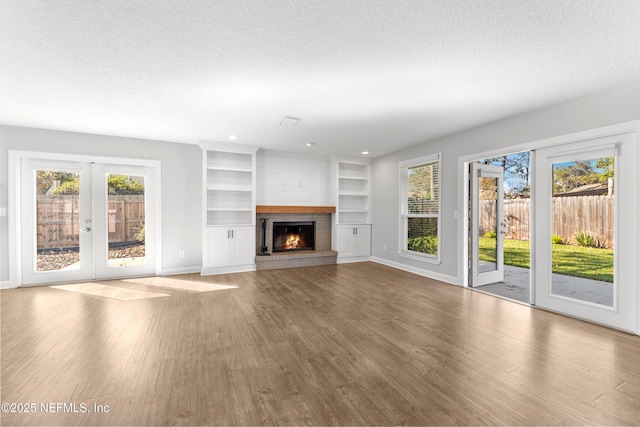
612	106
289	179
181	167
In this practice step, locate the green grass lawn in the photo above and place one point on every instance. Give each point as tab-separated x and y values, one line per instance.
589	263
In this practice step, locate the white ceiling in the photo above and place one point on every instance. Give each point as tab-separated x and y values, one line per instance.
363	74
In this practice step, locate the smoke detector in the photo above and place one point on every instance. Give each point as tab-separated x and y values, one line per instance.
290	121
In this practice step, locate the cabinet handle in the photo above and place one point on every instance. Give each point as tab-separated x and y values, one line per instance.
232	234
228	234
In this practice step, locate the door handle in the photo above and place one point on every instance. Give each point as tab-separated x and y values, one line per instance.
86	230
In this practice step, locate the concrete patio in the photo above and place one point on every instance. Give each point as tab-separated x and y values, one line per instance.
516	286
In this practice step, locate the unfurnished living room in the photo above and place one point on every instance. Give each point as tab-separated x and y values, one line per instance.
306	212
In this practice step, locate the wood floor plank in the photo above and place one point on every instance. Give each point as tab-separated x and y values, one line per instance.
351	344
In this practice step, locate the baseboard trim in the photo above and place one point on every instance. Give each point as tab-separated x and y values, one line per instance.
419	271
225	270
347	260
6	284
183	270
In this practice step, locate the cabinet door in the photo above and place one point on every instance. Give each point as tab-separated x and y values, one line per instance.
244	245
345	240
362	241
218	247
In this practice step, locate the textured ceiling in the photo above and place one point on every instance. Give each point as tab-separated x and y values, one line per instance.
363	74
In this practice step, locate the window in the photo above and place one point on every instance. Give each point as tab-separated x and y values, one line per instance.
420	208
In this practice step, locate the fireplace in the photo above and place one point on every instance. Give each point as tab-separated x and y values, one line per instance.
293	236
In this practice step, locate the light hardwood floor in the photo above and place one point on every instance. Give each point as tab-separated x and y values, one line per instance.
356	344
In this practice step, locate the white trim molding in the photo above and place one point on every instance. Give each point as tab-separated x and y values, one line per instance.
182	270
419	271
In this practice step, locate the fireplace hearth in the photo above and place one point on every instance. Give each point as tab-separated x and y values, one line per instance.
293	236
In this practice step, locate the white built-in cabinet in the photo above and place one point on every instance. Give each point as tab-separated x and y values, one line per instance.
229	191
354	240
229	246
351	192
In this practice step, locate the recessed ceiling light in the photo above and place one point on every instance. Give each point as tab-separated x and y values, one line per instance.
310	144
233	137
365	152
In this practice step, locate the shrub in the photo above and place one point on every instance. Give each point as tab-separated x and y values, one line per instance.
557	240
139	236
490	234
121	185
67	188
588	241
423	244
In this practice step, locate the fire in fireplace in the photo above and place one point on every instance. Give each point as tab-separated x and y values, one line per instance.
293	236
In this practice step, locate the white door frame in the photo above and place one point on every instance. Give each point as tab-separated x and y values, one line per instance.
632	127
622	314
15	158
478	278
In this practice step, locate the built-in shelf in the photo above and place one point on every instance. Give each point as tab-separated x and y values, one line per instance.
353	191
229	187
295	209
229	184
228	169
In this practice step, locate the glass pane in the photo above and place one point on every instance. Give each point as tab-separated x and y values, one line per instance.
57	220
423	189
126	220
583	230
422	235
487	224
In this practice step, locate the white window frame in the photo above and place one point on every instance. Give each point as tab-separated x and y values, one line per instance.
404	215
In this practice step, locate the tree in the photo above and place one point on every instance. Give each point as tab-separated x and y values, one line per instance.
566	177
516	171
606	165
422	187
116	185
120	185
46	179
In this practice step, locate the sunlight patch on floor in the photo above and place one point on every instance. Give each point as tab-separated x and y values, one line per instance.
179	284
123	294
123	262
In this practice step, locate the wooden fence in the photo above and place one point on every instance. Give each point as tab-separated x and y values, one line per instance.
593	215
58	220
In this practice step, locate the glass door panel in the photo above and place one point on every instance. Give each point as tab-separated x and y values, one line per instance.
583	224
488	224
126	220
56	225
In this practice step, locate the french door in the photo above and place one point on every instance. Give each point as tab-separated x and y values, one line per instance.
487	225
584	261
85	220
